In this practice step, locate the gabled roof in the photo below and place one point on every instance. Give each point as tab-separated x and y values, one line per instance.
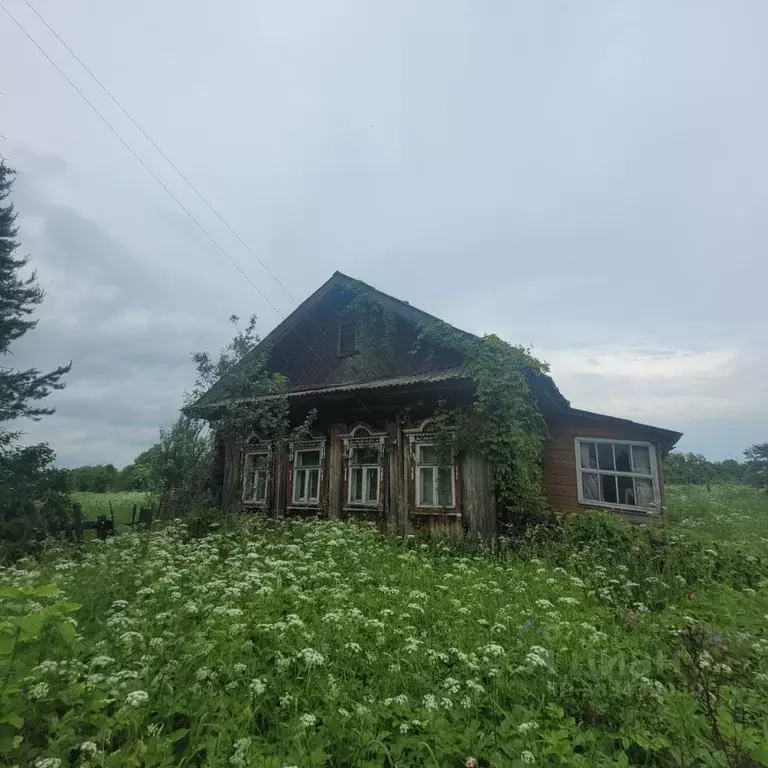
401	309
339	279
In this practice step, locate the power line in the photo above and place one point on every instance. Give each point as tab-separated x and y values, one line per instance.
170	162
136	155
165	187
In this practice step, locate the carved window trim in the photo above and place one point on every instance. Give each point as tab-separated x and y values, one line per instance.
363	435
310	443
423	436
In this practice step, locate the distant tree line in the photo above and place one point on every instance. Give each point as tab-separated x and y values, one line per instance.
695	469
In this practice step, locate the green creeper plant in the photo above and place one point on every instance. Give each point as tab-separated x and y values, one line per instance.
504	422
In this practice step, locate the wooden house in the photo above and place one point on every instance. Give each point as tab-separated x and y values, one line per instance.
348	352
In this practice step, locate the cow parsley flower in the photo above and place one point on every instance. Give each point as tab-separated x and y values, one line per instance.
39	691
527	727
89	749
527	757
137	698
429	702
308	721
311	657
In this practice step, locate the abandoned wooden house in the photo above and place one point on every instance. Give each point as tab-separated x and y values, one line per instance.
350	352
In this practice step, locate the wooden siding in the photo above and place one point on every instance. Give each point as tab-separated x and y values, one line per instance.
474	512
559	459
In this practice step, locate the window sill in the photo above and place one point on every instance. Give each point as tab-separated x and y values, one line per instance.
297	505
442	511
649	511
254	503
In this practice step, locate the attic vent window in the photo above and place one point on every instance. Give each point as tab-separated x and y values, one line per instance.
347	338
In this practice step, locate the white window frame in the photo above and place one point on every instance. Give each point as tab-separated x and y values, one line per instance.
431	442
654	476
301	447
363	436
248	460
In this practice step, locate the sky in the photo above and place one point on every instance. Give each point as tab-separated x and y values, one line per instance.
589	178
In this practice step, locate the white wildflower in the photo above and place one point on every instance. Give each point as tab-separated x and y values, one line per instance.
308	721
39	691
429	702
527	727
89	749
527	757
311	657
137	698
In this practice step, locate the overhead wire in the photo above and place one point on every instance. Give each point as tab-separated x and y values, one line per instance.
162	184
175	167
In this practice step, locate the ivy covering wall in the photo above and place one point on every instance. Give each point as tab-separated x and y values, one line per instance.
504	423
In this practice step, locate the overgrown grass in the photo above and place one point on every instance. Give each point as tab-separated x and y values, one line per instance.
318	643
95	504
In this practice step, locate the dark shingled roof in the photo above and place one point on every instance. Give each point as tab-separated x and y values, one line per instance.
367	371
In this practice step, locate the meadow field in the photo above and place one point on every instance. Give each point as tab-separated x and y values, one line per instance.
95	504
318	643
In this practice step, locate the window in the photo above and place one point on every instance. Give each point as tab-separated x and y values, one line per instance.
347	339
434	476
364	464
256	478
617	474
306	477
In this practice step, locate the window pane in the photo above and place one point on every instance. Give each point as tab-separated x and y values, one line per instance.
248	488
309	458
626	489
356	481
644	492
366	455
300	484
314	476
590	486
623	463
373	484
588	454
605	456
445	486
428	454
426	490
261	486
641	459
608	488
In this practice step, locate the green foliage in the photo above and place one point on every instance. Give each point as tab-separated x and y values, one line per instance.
20	390
374	321
695	469
504	422
256	397
31	492
757	464
318	643
34	498
96	505
98	478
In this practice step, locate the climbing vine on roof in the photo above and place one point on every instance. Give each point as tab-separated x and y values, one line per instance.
373	319
504	423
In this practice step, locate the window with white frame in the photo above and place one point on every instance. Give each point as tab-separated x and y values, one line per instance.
616	473
364	464
256	478
306	476
434	475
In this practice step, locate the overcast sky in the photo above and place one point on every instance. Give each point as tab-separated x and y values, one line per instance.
590	178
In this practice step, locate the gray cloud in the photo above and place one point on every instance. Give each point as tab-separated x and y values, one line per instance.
590	180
